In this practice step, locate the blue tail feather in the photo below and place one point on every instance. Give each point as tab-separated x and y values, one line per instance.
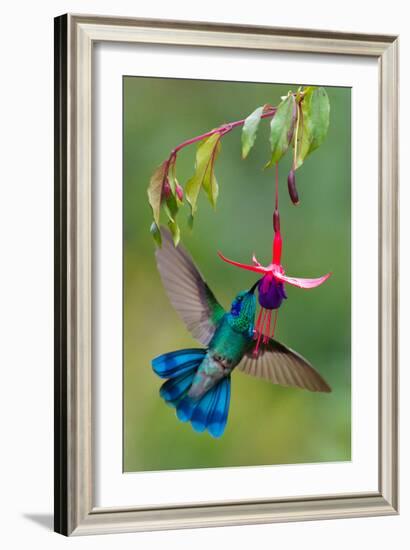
219	417
185	409
210	412
173	389
175	363
203	410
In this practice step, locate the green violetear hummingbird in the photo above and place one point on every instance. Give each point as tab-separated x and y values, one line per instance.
198	380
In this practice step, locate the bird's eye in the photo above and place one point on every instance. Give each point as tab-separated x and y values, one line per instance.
239	298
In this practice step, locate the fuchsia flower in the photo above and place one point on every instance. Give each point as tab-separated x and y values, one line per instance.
271	286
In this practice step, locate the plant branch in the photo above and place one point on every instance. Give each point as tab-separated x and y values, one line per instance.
222	130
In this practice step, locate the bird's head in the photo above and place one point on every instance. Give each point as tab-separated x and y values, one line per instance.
243	309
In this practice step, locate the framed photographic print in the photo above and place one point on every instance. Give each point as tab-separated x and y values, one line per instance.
226	275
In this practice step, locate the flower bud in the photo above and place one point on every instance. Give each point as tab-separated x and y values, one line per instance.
293	192
180	192
166	189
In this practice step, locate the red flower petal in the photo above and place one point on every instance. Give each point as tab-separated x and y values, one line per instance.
302	283
256	269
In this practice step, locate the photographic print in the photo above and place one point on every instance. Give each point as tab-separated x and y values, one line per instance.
226	223
236	274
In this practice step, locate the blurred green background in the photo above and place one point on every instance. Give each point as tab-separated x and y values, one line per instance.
267	424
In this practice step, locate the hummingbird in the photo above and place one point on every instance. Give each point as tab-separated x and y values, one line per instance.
198	380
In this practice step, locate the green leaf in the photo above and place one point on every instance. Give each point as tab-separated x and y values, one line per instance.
210	184
156	233
172	176
171	207
175	231
174	184
155	190
191	221
314	122
281	129
249	130
206	154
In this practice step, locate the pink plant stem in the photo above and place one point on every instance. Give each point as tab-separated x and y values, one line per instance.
222	130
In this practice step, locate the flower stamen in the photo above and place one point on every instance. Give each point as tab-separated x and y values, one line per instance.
274	323
267	327
259	329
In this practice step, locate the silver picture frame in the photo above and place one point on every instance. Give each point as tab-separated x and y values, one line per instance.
75	36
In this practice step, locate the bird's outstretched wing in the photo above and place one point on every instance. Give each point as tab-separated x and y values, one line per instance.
187	290
281	365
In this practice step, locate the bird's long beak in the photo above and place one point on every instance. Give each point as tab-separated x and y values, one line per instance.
252	289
